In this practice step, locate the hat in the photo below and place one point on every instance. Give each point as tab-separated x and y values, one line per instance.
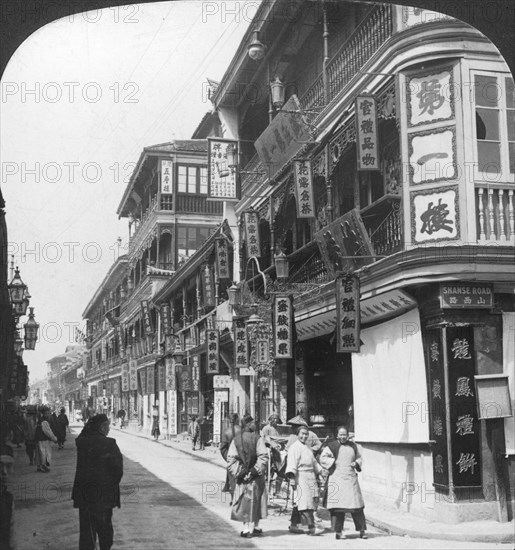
297	421
44	409
274	415
98	419
6	453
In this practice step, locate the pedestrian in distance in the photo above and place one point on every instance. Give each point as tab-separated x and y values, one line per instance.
247	460
7	534
121	418
194	431
29	432
61	425
96	488
44	437
203	433
342	459
155	431
304	473
270	431
225	443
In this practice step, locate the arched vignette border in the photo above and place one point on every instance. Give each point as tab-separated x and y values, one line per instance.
488	16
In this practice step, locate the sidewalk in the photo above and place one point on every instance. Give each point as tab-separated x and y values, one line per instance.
394	523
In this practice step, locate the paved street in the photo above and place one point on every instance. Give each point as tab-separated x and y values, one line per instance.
170	500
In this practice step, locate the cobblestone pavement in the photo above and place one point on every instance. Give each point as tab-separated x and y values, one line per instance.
170	500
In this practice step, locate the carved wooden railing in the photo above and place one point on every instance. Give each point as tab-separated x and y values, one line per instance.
495	206
307	266
366	39
197	205
385	227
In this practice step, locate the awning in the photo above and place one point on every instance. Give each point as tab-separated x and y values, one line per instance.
316	326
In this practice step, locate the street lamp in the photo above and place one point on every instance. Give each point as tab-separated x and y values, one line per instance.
17	288
256	49
31	331
277	90
282	267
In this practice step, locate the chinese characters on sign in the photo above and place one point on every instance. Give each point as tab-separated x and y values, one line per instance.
262	351
170	373
195	371
251	223
151	381
119	335
125	376
304	189
161	377
430	97
222	258
435	215
208	286
143	380
347	314
166	319
222	179
166	177
147	320
213	351
133	375
470	295
366	133
432	156
240	343
283	326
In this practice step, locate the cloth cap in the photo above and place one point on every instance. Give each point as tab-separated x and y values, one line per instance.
274	415
297	421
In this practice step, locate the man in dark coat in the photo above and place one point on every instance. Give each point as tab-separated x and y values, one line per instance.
225	443
96	489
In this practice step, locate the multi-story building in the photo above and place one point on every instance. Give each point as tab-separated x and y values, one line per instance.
62	384
375	149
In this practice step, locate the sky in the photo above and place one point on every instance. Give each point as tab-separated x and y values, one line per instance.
80	99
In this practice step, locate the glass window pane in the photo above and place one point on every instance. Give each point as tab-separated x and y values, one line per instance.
489	158
487	91
510	115
512	157
192	180
510	93
203	181
181	179
192	238
490	120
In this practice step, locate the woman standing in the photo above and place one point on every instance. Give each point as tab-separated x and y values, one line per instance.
343	459
61	424
304	473
247	461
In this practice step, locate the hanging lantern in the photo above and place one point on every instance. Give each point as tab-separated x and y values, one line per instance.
277	89
31	331
232	155
282	268
256	49
17	288
234	294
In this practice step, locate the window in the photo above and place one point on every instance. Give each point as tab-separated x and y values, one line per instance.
495	127
192	179
190	239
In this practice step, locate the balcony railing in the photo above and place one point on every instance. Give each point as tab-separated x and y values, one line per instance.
307	266
495	213
197	205
366	39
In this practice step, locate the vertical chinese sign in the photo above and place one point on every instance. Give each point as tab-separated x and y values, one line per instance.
143	381
222	178
166	177
213	351
222	258
161	376
121	344
304	189
195	371
166	319
241	350
437	408
347	314
366	133
170	382
147	320
133	375
125	377
208	287
283	326
151	379
251	224
463	408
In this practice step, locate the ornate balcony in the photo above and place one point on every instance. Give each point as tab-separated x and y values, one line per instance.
495	205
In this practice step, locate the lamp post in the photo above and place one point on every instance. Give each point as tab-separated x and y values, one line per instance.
17	288
256	49
31	331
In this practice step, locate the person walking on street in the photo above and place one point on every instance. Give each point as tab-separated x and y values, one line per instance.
96	488
225	443
247	460
61	424
45	436
342	459
194	430
203	432
29	432
121	417
155	432
304	473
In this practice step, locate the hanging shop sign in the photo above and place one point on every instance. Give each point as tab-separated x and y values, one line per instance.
283	326
366	133
213	351
347	314
221	381
437	424
222	178
94	392
304	189
121	344
143	381
283	137
208	286
464	420
343	242
185	378
133	375
125	377
116	388
195	371
241	349
262	351
161	377
166	177
84	393
166	319
147	319
222	258
151	379
251	224
466	296
170	382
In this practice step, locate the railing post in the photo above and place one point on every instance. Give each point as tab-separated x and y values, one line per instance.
510	215
502	233
491	219
482	234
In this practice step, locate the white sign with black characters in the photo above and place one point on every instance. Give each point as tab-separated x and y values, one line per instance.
435	215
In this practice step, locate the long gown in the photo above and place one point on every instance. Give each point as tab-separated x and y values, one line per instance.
302	463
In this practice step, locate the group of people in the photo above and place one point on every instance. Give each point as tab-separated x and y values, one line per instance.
311	468
198	430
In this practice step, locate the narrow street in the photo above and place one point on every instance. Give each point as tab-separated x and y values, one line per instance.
170	499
